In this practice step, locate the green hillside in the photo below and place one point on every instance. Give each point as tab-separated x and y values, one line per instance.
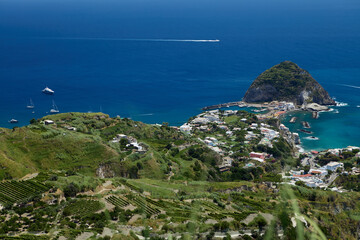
287	82
40	147
112	178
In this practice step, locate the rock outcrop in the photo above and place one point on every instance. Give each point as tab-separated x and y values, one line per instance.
315	107
287	82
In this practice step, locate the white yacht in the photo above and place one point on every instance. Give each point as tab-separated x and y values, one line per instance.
48	91
31	105
54	108
13	121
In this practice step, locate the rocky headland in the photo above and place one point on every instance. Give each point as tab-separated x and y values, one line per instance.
287	82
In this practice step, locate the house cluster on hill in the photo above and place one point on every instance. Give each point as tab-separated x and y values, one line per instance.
325	166
227	134
130	142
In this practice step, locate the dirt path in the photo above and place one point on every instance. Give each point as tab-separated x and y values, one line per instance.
84	236
29	176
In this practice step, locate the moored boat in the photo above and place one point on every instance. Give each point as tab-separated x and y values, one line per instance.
305	124
293	119
305	131
312	138
54	108
30	105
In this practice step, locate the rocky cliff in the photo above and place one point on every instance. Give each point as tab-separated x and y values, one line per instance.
287	82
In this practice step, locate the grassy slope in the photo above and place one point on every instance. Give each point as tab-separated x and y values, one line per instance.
30	149
39	147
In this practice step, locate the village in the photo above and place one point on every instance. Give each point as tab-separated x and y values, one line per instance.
311	172
320	169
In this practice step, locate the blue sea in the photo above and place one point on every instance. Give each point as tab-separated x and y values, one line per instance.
143	59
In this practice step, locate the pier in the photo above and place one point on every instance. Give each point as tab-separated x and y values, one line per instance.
263	107
222	105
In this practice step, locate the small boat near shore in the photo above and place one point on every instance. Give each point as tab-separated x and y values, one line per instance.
312	138
315	115
306	124
341	104
293	119
260	110
305	131
13	121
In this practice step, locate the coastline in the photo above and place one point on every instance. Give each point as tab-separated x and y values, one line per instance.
277	113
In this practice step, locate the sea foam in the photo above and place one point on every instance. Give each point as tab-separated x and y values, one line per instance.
352	86
136	39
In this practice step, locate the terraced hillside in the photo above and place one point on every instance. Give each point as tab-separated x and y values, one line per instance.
19	191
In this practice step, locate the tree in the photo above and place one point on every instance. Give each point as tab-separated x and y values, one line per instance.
191	227
71	190
300	183
224	226
261	222
123	143
146	232
227	237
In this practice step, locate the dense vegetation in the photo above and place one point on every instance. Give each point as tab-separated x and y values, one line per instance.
286	82
198	209
88	183
42	147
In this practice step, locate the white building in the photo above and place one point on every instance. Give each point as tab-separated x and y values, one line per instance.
289	106
230	112
200	120
296	138
186	128
223	127
204	128
48	122
332	166
209	143
229	133
283	127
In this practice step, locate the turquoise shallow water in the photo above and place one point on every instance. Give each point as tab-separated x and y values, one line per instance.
337	128
333	130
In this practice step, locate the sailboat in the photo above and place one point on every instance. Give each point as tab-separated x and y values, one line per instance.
31	105
54	108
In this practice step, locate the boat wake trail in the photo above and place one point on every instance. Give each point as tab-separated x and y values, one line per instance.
136	39
145	114
349	86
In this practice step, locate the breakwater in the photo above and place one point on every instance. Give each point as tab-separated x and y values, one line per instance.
222	105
